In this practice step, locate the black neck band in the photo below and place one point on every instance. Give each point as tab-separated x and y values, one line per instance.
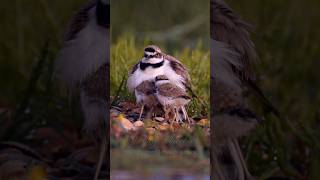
143	66
103	14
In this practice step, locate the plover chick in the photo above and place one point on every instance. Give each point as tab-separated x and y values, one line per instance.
172	97
145	96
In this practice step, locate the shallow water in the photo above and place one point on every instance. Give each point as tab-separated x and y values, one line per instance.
126	175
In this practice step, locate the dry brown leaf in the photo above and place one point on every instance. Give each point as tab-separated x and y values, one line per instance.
204	122
115	130
37	173
175	126
164	127
125	123
150	130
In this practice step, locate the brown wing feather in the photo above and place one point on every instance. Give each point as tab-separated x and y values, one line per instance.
179	68
134	68
146	87
96	84
171	90
230	110
225	96
226	26
79	21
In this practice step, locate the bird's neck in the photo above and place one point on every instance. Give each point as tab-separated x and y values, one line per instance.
144	65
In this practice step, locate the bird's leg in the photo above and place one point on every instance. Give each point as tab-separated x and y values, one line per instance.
166	113
141	112
237	159
150	113
246	171
103	149
101	157
153	114
175	116
178	115
185	113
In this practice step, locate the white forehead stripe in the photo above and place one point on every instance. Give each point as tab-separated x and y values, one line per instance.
150	53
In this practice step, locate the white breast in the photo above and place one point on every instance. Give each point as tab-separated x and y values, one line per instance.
150	74
83	55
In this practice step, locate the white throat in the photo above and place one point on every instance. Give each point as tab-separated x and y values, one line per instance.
151	73
152	60
150	53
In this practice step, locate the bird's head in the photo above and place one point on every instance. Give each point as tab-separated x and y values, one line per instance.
161	79
152	54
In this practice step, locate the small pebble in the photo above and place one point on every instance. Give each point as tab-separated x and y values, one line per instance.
138	124
159	119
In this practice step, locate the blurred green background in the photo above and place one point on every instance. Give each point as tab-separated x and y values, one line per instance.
172	24
288	42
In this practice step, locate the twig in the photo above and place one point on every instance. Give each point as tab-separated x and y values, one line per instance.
118	91
29	92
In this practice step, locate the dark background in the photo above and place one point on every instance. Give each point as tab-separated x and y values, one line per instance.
25	29
287	39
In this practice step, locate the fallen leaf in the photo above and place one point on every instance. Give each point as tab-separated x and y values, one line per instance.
37	173
125	123
150	130
203	122
164	127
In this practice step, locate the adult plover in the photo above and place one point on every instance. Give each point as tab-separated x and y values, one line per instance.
172	97
83	63
154	63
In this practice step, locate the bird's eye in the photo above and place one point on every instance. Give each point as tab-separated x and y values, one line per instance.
158	55
149	50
